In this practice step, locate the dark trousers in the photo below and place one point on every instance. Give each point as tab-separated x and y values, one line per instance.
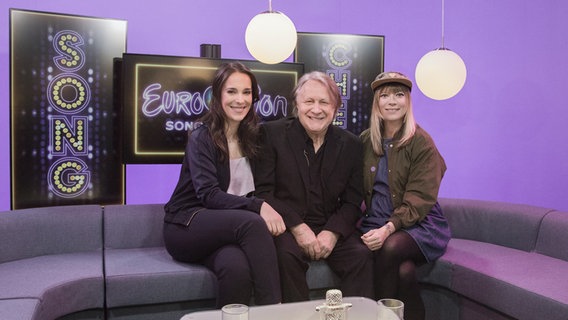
237	246
351	260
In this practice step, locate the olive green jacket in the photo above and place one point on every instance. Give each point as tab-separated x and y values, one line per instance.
415	172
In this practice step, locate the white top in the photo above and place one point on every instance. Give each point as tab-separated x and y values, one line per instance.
242	182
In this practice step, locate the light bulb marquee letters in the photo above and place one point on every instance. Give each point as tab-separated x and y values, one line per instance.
68	95
339	61
68	44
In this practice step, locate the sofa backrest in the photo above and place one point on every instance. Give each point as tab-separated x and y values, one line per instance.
553	235
27	233
133	226
506	224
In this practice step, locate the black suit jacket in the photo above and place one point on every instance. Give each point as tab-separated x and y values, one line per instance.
203	182
281	175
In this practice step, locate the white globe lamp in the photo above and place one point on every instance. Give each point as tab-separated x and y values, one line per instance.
440	74
271	37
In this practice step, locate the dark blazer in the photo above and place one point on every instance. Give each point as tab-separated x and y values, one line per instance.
281	174
203	182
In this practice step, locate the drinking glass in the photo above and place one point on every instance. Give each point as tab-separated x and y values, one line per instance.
235	311
391	309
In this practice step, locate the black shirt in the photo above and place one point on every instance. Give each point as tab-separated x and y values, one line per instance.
315	217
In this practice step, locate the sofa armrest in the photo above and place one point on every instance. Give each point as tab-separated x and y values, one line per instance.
511	225
553	236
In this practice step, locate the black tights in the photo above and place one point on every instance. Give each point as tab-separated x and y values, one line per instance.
395	273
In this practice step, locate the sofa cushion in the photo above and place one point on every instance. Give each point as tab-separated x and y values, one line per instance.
18	309
320	276
133	226
62	284
138	268
524	285
149	275
34	232
490	222
553	236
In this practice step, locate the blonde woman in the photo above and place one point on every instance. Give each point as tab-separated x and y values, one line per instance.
403	224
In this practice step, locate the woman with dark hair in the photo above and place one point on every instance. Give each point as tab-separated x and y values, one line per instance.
213	217
402	170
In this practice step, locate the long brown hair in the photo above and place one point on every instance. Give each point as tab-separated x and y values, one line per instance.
215	118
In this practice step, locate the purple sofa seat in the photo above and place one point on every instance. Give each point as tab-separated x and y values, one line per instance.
18	308
138	269
505	261
62	284
523	285
50	262
139	276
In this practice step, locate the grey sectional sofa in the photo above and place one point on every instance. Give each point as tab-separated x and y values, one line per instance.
505	261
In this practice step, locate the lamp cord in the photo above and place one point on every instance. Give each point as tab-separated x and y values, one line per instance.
269	5
443	46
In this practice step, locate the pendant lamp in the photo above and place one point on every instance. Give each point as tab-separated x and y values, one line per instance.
271	36
441	73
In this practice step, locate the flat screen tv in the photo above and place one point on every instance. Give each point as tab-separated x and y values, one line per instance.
162	98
